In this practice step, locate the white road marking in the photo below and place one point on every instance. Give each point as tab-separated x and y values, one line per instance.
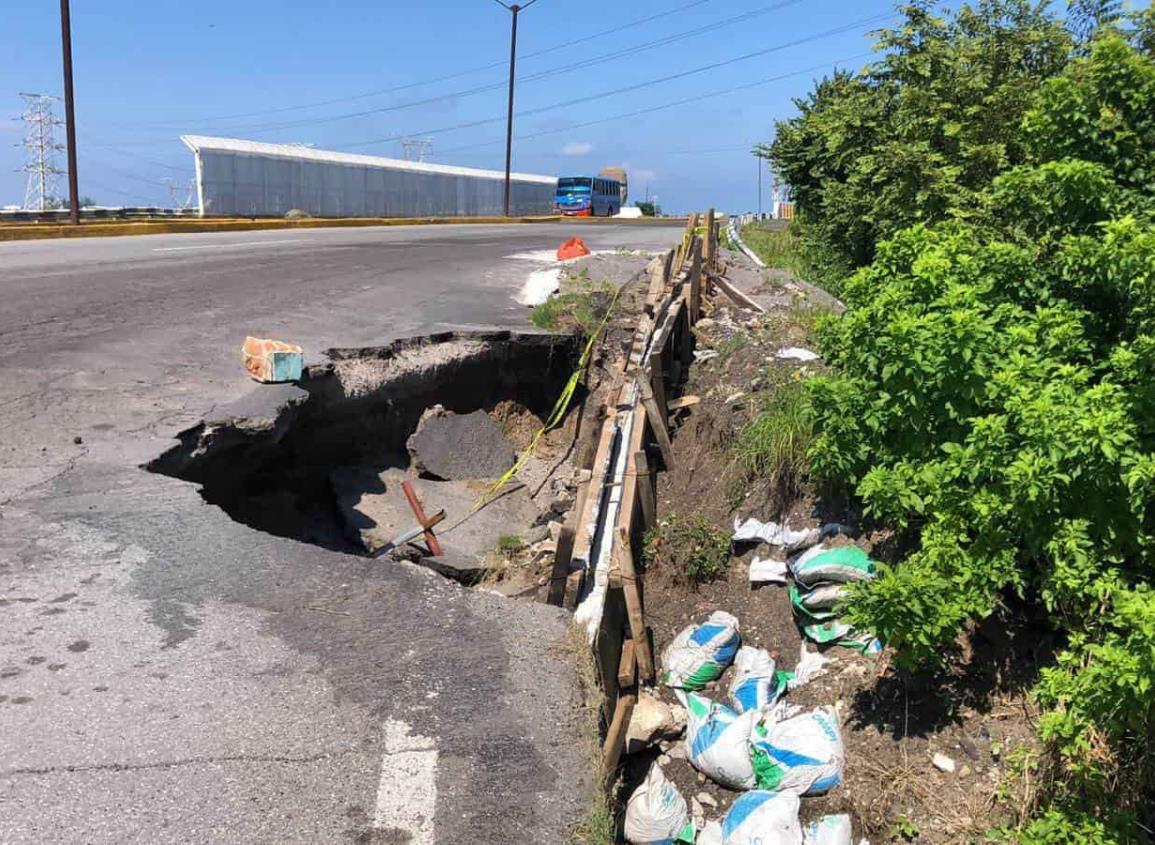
407	793
225	246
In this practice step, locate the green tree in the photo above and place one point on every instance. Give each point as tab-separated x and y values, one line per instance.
918	135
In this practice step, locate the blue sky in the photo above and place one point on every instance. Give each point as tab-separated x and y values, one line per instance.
148	72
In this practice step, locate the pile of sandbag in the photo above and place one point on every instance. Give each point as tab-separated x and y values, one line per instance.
820	577
760	744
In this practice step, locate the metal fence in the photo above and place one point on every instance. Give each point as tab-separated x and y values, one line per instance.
255	179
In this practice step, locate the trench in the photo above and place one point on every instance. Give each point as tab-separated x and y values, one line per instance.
276	460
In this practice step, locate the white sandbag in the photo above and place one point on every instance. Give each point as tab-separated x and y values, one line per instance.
767	571
700	653
828	830
811	664
791	539
757	818
656	813
803	755
840	565
755	685
718	740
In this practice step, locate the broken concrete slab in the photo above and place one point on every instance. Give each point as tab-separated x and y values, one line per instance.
459	446
374	510
463	568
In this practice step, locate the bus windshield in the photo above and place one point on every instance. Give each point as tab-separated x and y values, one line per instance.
574	185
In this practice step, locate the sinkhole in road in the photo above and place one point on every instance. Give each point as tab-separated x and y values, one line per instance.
321	461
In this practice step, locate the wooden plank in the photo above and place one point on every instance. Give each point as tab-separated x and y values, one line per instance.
616	735
737	295
711	241
668	266
657	421
627	666
688	401
561	562
696	282
585	513
631	588
647	491
658	382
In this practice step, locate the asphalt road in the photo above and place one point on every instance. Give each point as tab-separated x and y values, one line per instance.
168	675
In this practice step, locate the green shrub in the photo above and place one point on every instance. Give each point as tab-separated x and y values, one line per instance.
695	549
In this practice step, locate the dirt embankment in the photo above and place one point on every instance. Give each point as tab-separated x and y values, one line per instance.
740	452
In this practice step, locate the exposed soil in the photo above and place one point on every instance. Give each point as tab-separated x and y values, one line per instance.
893	722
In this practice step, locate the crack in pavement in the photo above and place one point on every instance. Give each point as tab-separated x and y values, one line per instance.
172	764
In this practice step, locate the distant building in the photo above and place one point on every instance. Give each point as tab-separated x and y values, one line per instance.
255	179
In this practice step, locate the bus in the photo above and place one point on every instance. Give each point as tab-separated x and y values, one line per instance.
587	196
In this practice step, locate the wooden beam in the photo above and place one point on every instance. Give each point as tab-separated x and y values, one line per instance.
687	401
668	266
647	489
631	588
696	282
627	666
711	241
737	295
616	735
657	421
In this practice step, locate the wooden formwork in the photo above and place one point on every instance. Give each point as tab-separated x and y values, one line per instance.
633	444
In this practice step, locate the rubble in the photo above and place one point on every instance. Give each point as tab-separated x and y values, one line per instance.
453	446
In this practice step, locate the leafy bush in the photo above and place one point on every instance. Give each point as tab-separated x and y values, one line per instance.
993	391
695	549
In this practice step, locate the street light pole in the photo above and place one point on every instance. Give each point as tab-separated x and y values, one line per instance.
514	8
69	114
759	187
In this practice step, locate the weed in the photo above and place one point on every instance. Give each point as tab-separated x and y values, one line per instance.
597	825
510	544
774	443
732	344
696	550
904	828
581	310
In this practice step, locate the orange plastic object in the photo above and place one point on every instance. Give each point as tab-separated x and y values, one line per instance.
573	248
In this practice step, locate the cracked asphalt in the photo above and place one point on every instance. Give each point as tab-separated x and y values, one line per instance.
170	676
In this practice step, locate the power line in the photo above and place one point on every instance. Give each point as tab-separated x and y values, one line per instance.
420	83
544	74
674	104
637	86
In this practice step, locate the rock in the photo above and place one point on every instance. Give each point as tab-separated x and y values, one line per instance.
707	799
942	763
458	446
697	814
965	772
701	778
562	503
537	534
582	475
554	531
677	751
653	720
78	440
969	748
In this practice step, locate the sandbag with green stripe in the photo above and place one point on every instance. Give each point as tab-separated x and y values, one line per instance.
700	653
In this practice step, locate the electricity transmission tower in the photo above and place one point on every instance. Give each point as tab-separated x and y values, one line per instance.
40	149
175	191
414	149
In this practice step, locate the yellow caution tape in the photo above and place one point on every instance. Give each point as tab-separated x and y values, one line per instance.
558	412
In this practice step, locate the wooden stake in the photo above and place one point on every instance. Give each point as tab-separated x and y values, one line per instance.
647	491
633	596
657	421
696	282
711	241
424	521
627	666
616	735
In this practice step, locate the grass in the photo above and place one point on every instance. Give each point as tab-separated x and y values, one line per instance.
774	443
778	247
510	544
582	310
696	550
597	826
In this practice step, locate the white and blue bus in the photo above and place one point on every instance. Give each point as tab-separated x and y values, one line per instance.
587	196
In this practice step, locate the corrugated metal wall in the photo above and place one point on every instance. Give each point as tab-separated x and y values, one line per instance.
252	184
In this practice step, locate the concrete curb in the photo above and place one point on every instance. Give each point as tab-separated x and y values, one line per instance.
41	231
737	240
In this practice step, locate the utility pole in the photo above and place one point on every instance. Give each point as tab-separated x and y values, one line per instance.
69	113
759	187
514	8
41	148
